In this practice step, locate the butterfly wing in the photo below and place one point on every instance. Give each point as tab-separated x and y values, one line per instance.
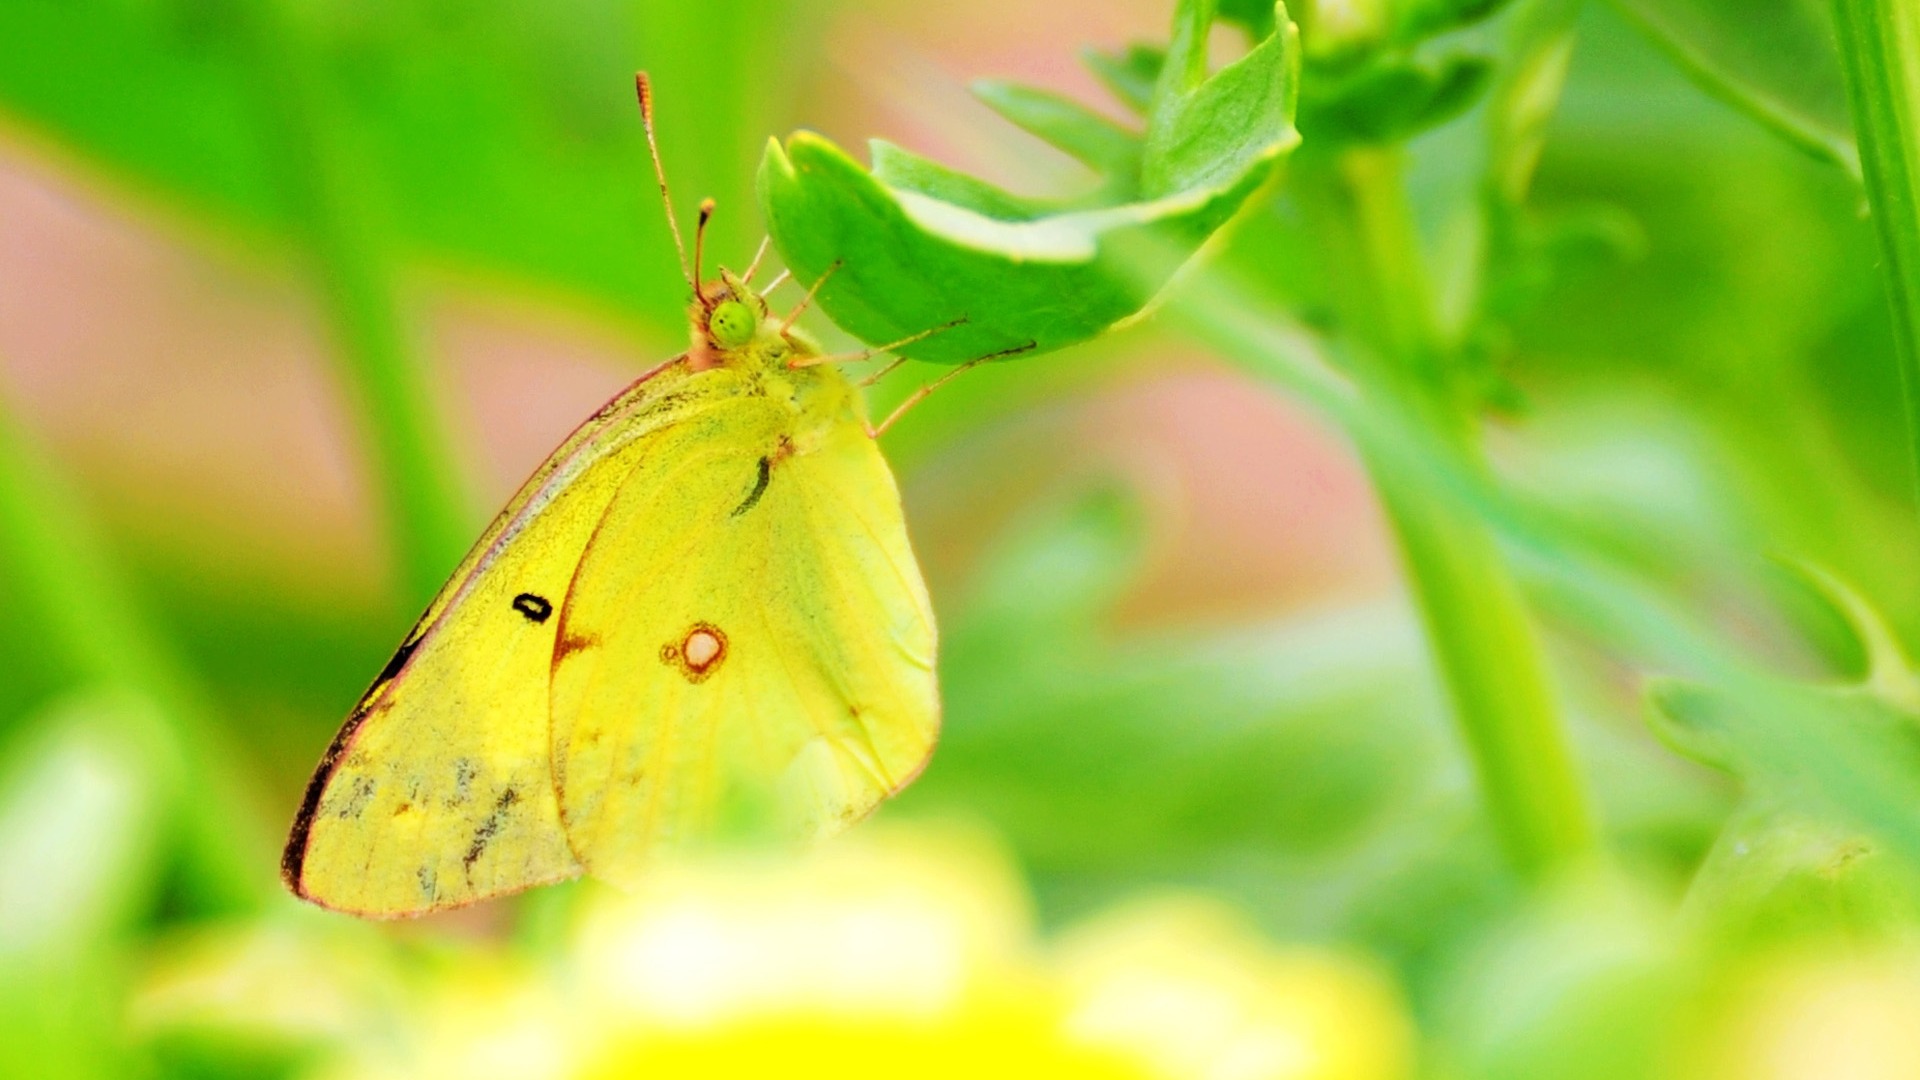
747	637
438	790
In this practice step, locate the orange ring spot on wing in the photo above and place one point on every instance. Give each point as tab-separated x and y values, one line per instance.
698	653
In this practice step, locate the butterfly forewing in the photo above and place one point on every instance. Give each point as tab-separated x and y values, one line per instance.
438	790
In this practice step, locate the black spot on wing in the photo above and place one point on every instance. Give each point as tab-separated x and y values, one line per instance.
356	798
488	829
400	657
535	608
463	774
759	488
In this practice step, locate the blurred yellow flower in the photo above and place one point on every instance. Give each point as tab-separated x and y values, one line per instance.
1185	986
893	952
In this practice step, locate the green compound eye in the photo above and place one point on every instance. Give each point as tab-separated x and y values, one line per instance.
732	324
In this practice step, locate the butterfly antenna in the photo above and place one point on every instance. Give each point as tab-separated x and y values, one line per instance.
700	240
645	92
758	254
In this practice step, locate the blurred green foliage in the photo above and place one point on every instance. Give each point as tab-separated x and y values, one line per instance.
1588	286
496	137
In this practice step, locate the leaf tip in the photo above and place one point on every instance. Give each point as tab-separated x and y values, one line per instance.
1688	718
775	160
988	89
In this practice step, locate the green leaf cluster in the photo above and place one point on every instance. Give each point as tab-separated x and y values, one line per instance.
911	245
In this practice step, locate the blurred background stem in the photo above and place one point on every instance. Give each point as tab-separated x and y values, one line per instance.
1483	638
1703	71
1525	96
1880	50
423	499
1495	673
91	622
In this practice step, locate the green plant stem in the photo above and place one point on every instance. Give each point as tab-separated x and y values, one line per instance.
1495	671
1484	640
423	499
1799	131
1880	50
76	595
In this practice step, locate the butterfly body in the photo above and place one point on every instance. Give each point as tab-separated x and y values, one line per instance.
701	611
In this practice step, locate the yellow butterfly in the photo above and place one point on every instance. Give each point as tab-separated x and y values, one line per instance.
702	605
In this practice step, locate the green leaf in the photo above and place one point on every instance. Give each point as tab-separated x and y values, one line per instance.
907	171
1846	752
1830	773
1070	127
1844	749
1771	59
1206	131
914	245
1129	75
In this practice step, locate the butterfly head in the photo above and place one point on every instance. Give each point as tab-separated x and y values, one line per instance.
729	312
732	324
727	318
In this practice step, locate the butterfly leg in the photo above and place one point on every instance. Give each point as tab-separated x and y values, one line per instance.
926	391
876	350
807	300
883	372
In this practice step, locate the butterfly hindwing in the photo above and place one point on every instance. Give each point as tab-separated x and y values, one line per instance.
747	634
